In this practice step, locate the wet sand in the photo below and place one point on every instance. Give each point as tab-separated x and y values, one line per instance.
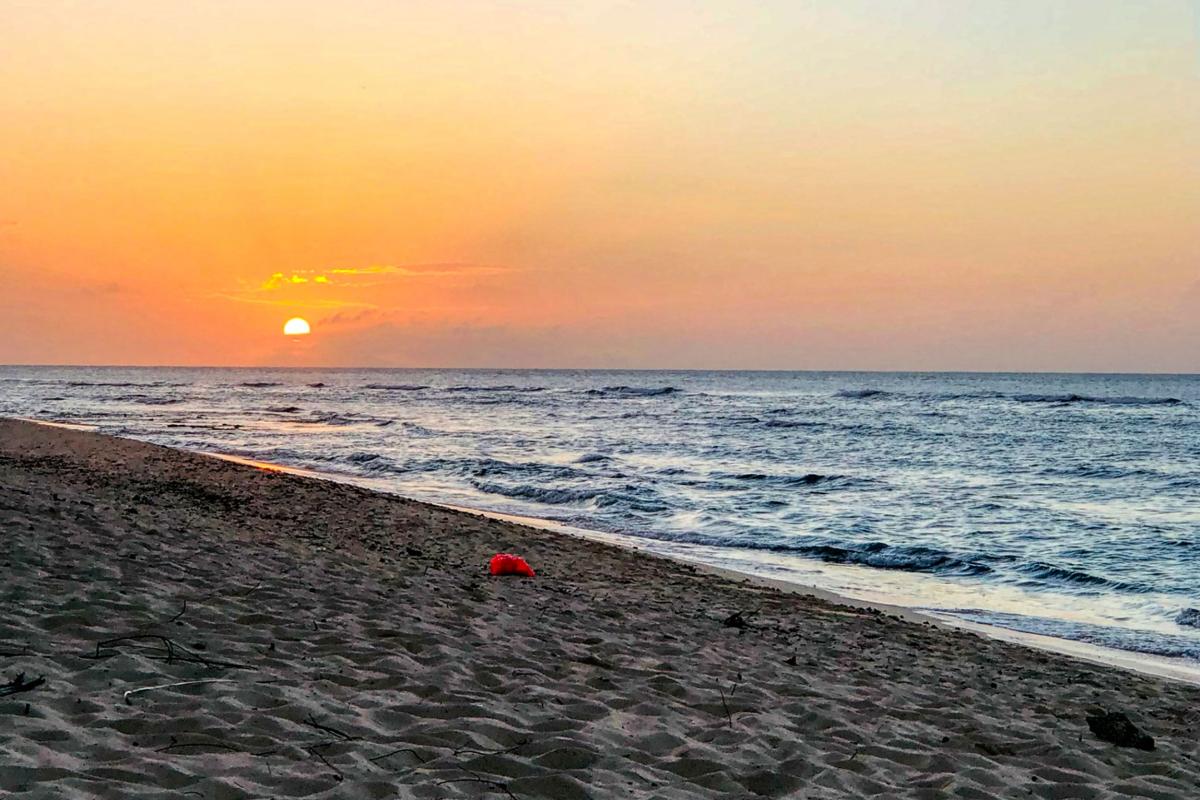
350	644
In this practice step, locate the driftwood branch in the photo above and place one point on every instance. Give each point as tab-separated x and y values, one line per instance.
19	684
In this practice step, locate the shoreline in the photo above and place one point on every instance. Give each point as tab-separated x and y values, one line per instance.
1176	669
212	628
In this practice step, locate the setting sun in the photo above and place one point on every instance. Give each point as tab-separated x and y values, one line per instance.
296	326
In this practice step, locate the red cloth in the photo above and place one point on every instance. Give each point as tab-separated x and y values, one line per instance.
508	564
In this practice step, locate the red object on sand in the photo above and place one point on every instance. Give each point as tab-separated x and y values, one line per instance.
508	564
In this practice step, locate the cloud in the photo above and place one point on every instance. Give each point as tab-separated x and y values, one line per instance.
303	283
450	269
279	279
347	275
347	317
101	289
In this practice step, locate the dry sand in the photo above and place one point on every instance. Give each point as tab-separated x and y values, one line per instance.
362	652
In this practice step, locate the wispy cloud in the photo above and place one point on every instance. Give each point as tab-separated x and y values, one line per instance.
304	288
101	289
348	276
280	279
313	303
349	317
450	269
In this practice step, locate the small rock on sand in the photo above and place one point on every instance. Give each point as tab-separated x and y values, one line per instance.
1115	727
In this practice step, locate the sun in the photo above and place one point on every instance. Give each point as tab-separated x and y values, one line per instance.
296	326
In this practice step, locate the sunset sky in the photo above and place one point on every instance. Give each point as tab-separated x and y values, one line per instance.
976	185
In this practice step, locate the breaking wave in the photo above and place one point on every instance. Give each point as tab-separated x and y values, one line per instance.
148	400
632	391
396	387
1066	399
862	394
1132	639
1049	399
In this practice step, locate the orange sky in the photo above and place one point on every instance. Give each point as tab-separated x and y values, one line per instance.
903	185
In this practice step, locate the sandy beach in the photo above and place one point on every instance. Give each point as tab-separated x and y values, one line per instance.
329	641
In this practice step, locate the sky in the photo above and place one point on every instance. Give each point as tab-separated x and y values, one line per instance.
900	185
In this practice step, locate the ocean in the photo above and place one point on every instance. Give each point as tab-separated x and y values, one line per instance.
1061	505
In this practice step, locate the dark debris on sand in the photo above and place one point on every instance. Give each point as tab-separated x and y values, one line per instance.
1115	727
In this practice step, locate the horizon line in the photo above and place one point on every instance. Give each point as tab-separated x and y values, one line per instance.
613	369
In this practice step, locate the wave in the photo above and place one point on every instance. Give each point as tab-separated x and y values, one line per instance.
793	423
540	494
1065	399
592	458
483	467
630	498
1052	573
335	418
1056	399
123	384
373	464
1189	617
396	387
862	394
906	558
808	479
1138	641
879	555
1099	471
505	388
632	391
965	396
148	400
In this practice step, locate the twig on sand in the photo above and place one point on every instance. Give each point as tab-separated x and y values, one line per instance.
132	692
313	748
390	753
215	745
175	618
175	745
172	651
461	750
19	684
732	692
728	715
312	721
